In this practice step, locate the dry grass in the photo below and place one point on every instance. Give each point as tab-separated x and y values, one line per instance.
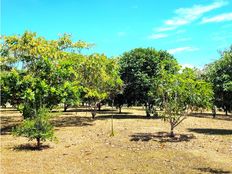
140	145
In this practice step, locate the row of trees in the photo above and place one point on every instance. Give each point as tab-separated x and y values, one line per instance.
38	74
155	79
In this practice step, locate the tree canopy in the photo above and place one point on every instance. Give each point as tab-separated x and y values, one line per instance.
219	73
140	68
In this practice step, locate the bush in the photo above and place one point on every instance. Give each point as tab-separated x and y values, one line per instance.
37	127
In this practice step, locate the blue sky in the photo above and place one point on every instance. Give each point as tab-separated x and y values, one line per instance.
194	31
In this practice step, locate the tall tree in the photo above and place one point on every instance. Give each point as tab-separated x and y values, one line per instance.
99	77
139	68
42	79
219	73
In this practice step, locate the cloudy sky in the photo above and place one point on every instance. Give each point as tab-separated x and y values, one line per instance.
193	30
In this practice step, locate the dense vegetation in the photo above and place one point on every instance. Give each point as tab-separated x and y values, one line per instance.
38	74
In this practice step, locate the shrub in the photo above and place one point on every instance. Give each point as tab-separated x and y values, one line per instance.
37	127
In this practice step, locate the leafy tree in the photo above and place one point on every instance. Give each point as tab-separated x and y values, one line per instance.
99	77
180	92
44	79
219	73
139	69
37	128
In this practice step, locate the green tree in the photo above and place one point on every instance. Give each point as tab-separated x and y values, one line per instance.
139	69
219	73
99	77
180	92
37	128
43	78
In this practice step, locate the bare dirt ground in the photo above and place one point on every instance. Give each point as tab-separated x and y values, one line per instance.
140	145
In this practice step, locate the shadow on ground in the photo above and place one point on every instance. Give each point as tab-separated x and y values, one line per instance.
161	137
7	123
212	170
6	130
211	131
29	147
71	121
121	116
208	115
9	119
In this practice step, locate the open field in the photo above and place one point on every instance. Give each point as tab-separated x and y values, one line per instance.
140	145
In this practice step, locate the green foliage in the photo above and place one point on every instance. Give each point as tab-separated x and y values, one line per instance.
46	77
182	91
219	73
140	70
99	78
37	127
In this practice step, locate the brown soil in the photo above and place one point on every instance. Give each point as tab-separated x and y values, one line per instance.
140	145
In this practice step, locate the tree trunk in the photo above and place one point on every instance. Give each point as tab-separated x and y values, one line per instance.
120	109
172	132
214	115
147	110
38	142
94	112
65	107
214	111
99	106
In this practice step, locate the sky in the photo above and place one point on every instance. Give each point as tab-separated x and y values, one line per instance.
194	31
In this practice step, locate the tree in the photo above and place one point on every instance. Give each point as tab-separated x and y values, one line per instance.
99	77
37	128
119	101
180	92
139	68
44	79
219	73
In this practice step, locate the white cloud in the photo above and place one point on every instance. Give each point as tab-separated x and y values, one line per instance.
181	49
218	18
164	29
157	36
184	16
187	15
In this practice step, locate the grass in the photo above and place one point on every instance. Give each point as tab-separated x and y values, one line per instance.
139	145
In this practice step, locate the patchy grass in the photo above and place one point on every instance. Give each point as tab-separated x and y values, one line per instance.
140	145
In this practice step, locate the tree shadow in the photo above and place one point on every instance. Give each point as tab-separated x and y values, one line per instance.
210	131
212	170
120	116
161	137
208	115
72	121
6	130
7	123
8	119
29	147
102	111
